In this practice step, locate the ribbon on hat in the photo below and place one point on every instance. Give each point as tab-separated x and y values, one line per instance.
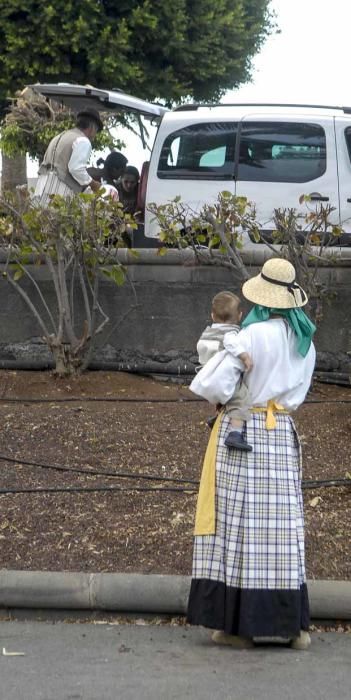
291	286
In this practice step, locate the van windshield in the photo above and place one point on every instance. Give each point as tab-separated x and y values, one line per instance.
205	150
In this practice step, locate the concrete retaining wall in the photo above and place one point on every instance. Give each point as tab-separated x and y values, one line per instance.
161	329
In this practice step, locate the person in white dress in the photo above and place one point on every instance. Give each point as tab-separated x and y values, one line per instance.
64	167
249	578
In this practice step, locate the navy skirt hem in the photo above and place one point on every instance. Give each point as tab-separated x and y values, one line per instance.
248	612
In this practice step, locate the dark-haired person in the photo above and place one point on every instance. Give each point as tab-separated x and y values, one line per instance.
64	167
128	189
113	168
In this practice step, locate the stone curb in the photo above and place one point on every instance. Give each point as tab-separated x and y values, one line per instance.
152	593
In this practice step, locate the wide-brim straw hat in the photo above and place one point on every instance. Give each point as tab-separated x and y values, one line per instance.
275	286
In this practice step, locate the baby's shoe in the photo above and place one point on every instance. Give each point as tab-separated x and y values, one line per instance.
234	440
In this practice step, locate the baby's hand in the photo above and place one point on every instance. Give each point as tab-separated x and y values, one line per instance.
247	361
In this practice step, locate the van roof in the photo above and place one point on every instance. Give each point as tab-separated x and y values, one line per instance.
78	97
241	109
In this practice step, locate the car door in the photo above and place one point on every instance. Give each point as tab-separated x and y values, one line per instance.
193	159
284	157
343	145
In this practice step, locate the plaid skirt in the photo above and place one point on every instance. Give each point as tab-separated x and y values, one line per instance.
249	578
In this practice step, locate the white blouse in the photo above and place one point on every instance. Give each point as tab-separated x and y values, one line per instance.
49	184
77	165
279	372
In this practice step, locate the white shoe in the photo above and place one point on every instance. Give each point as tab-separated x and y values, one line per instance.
302	642
232	640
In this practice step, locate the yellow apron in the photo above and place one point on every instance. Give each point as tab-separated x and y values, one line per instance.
205	519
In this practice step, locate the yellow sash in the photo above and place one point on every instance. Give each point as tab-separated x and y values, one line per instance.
271	408
205	519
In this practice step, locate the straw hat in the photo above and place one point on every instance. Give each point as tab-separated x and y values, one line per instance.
275	286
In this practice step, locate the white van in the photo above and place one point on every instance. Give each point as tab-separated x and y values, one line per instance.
271	154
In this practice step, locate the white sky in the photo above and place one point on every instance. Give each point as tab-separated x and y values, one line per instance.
308	62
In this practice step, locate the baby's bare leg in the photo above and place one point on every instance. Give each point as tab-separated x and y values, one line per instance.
235	438
236	424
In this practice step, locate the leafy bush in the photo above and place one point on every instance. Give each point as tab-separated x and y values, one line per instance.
77	239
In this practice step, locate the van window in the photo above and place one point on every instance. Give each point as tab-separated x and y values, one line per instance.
348	140
281	152
202	151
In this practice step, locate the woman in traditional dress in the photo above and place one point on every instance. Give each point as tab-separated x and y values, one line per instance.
248	566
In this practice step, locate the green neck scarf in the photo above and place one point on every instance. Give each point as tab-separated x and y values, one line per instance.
296	318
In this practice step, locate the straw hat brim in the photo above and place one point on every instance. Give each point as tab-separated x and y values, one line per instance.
277	296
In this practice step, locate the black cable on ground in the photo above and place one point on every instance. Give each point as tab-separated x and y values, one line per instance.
149	489
88	399
124	399
311	484
91	489
325	483
310	401
95	472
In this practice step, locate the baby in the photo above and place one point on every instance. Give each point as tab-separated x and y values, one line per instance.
226	316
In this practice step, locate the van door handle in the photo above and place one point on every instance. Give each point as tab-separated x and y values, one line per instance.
316	197
349	199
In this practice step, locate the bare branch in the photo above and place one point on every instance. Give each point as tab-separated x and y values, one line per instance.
29	303
120	321
64	298
26	272
83	286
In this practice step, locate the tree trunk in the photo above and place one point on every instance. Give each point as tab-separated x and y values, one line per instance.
14	172
67	362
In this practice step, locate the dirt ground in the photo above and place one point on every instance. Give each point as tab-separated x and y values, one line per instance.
140	427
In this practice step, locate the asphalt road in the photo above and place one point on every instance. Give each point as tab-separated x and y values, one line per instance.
107	661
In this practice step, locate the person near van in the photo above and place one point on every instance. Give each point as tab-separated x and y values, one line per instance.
226	316
113	167
64	167
128	189
248	578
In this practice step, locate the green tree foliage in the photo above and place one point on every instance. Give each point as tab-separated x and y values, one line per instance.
32	122
166	49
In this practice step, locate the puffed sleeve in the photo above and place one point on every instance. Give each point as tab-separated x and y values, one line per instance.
236	343
77	165
217	380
